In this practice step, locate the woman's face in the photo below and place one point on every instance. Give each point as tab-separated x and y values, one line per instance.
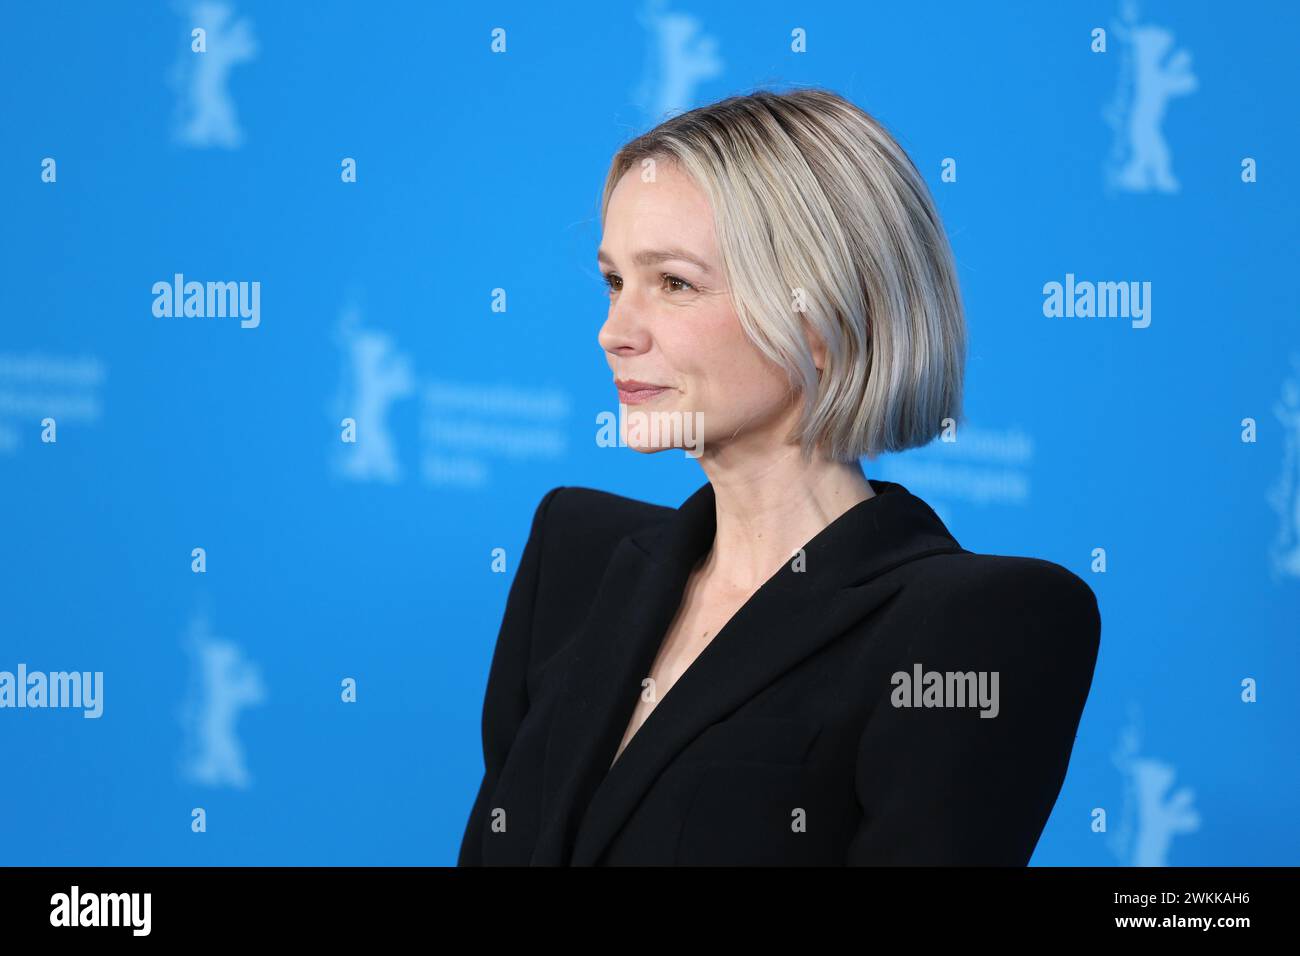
672	338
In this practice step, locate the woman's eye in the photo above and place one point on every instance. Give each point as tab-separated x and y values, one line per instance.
614	282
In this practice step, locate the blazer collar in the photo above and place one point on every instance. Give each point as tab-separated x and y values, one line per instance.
796	612
857	545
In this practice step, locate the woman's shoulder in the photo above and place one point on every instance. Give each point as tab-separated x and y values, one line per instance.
966	597
1002	574
575	511
580	527
577	501
962	604
574	535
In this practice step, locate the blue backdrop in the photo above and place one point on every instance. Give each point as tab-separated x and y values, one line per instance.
391	176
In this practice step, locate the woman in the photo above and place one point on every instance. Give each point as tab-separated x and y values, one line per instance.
799	665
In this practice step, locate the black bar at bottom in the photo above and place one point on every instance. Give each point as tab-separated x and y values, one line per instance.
336	905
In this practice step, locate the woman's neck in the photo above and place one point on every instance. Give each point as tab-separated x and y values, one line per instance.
770	506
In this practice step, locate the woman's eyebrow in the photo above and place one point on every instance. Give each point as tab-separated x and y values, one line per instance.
650	257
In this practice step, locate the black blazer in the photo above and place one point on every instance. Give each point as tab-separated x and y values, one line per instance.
783	742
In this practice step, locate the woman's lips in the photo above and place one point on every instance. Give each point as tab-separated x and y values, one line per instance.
634	393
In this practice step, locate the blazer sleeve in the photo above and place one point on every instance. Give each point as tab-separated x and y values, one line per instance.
945	786
505	702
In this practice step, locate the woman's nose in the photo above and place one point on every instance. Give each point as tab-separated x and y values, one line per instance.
625	331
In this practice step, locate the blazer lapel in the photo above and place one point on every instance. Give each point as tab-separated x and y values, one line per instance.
795	613
635	603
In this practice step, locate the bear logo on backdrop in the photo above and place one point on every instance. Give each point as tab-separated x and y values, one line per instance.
375	376
462	426
217	43
224	684
680	57
1150	76
1150	816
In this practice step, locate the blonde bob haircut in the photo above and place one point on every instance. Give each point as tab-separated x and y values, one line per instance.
821	218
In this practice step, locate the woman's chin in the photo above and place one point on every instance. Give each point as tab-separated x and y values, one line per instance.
648	449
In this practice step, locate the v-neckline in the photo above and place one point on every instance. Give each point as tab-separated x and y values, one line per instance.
621	747
773	580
